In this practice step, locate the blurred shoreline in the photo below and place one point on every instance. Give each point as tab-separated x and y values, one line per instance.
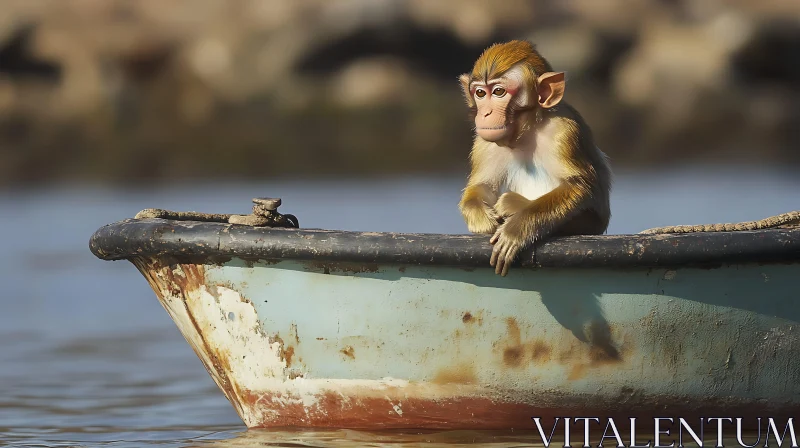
141	91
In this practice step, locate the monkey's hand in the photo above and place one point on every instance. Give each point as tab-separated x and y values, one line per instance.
510	203
508	240
480	217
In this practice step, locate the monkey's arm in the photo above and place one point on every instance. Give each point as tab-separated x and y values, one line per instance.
511	203
476	208
537	220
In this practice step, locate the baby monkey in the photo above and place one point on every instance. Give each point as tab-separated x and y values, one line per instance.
536	172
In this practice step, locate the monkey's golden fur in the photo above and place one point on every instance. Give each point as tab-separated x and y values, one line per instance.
579	204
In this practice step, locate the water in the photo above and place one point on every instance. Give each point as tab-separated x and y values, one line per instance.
89	357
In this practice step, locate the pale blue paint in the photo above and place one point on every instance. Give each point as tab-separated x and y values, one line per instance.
730	331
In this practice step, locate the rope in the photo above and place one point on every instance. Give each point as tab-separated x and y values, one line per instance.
789	219
157	213
265	214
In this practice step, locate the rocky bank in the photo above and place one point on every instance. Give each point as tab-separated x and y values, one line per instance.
150	89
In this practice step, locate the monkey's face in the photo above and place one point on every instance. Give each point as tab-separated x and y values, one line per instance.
499	102
494	100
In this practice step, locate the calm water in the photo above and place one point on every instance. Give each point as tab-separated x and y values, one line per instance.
89	357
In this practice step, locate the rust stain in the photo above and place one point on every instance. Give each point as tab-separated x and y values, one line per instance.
348	351
286	352
599	350
540	352
185	276
470	318
275	338
363	412
512	356
513	329
402	269
287	355
293	332
362	409
461	374
179	279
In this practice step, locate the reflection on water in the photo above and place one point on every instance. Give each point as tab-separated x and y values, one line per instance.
90	358
350	438
449	439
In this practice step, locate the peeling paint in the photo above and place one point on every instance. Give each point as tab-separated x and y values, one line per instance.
490	358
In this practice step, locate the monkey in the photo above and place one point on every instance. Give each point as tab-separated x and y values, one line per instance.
536	172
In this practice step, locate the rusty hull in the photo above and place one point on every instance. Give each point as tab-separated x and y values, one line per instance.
310	344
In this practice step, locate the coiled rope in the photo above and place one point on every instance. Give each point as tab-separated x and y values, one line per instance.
789	219
265	214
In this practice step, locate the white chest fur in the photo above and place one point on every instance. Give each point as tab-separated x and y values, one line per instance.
529	176
533	170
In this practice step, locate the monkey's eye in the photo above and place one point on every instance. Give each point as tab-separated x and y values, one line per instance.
480	93
499	91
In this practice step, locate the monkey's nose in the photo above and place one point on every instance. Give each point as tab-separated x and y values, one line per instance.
488	113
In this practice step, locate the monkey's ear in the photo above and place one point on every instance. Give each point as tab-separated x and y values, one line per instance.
551	89
464	80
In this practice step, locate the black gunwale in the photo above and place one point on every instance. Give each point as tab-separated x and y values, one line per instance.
203	242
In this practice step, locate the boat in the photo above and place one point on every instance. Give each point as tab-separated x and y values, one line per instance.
323	328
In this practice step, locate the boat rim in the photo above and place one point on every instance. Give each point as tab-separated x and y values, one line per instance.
208	242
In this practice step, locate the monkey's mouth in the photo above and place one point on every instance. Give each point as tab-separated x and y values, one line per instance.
496	128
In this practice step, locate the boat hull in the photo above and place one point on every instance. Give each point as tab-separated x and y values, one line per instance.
397	345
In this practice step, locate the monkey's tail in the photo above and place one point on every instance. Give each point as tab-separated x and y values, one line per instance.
789	219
